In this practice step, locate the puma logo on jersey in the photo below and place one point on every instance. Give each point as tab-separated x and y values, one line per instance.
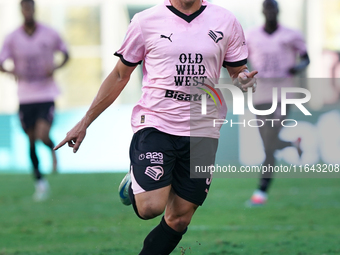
167	37
216	35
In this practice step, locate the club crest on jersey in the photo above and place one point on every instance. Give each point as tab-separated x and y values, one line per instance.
215	35
154	172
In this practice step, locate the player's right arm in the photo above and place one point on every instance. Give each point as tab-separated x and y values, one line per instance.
107	94
5	54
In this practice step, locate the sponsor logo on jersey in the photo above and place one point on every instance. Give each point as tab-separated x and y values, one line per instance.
215	35
154	172
182	96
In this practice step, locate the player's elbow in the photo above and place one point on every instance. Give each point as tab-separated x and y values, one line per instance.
123	77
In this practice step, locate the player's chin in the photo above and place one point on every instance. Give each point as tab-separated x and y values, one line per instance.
189	1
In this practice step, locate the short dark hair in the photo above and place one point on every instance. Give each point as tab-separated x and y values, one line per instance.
270	2
27	1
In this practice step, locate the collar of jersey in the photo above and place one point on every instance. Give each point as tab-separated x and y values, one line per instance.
187	18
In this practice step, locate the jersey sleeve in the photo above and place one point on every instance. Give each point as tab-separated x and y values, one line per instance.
6	52
132	52
299	44
60	44
237	50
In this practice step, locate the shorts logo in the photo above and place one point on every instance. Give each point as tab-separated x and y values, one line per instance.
208	180
154	172
155	157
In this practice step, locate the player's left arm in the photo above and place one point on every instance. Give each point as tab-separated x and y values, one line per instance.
302	65
235	60
66	57
242	77
60	46
6	53
298	45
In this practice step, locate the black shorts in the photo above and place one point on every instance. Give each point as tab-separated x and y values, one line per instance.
159	159
30	113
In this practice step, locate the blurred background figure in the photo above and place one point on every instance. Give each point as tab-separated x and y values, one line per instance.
273	51
31	48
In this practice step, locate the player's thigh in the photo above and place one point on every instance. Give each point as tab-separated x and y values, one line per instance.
45	116
28	117
187	183
42	129
269	135
152	162
270	130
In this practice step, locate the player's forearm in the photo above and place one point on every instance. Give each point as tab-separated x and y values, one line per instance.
65	60
2	69
302	65
107	94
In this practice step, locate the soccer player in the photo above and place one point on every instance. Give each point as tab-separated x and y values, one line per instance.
183	44
32	47
273	50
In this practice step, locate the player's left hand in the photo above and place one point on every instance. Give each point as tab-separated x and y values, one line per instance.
293	70
247	80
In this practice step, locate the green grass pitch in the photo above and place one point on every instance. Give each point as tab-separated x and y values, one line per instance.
85	217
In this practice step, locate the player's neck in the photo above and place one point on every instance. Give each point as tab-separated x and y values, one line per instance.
271	26
30	27
187	6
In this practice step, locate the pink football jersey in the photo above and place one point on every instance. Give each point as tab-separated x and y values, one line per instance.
272	55
180	53
33	56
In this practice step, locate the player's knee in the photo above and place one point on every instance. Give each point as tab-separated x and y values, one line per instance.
179	223
149	211
40	136
45	139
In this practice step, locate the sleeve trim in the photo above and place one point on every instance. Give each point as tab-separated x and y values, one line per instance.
125	62
235	64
